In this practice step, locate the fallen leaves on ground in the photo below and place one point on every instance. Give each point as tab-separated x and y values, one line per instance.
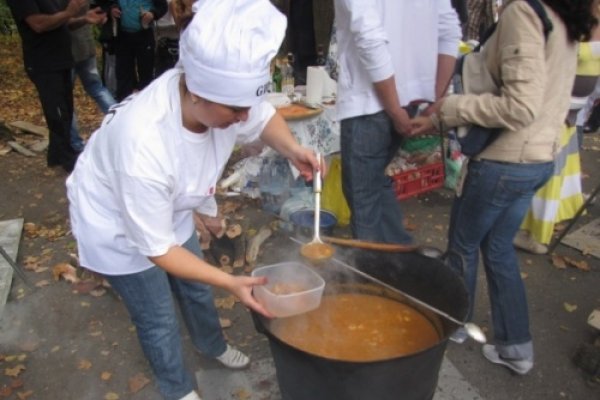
137	382
570	307
225	303
105	375
24	395
84	365
14	371
225	323
33	231
242	394
562	262
65	271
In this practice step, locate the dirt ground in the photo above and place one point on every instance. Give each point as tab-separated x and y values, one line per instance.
63	341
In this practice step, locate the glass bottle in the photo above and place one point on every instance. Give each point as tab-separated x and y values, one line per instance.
287	85
277	76
321	59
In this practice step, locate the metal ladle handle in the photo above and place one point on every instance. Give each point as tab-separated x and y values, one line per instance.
317	188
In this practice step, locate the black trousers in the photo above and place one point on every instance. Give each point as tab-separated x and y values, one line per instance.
134	58
55	91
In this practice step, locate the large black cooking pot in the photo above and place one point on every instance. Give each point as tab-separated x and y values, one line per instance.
304	376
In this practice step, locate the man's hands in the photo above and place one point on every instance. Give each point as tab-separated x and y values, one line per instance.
75	7
96	16
424	123
147	18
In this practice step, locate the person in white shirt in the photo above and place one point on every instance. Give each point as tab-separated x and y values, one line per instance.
391	54
156	159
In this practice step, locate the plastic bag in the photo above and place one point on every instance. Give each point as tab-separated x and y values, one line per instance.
332	197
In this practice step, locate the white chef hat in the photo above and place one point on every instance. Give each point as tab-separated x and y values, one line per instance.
227	48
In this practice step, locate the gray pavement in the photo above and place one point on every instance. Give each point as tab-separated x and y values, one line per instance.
75	346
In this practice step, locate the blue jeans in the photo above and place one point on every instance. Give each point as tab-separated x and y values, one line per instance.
87	71
487	216
147	296
368	144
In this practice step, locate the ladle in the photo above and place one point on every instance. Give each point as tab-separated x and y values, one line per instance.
473	330
316	250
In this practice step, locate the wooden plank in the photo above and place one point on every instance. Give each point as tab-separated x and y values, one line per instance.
586	239
10	236
30	128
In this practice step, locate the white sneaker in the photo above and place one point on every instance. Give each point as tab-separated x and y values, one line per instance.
459	336
233	358
191	396
523	240
521	367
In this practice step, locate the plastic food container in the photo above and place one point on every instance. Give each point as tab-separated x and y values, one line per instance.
292	288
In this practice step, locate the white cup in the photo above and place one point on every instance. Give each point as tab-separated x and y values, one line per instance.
314	84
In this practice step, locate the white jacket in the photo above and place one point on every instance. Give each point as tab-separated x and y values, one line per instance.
381	38
142	174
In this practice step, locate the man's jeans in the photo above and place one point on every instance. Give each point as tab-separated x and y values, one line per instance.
487	216
368	144
87	71
55	91
147	296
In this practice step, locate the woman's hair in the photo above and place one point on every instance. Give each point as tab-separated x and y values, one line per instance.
577	15
181	10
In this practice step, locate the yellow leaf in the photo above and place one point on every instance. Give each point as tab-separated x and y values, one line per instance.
137	382
65	271
105	375
84	365
111	396
225	322
24	395
570	307
15	371
559	261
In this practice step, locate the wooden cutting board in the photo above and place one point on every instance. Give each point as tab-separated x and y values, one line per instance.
298	111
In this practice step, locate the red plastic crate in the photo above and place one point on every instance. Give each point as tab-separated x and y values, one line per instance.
418	180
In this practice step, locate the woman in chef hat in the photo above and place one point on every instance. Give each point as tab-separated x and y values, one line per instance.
156	159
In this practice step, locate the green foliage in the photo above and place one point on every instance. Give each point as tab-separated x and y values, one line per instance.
7	24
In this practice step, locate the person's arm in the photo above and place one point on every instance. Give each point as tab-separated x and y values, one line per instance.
95	16
41	23
148	227
521	58
388	96
449	34
182	263
159	9
277	135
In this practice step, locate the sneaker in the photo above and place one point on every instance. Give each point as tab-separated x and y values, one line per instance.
233	358
521	367
191	396
523	240
459	336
